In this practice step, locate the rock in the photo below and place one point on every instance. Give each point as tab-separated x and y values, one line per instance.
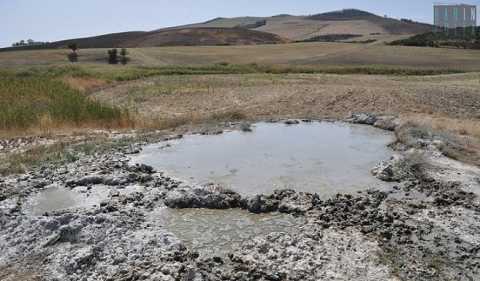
87	180
261	204
246	127
212	197
362	118
39	184
141	168
291	122
389	123
299	203
393	170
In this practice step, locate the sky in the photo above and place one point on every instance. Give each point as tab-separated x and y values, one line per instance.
52	20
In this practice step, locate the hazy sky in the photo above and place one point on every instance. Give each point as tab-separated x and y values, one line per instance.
50	20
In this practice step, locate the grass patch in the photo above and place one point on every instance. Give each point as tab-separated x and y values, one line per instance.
63	152
16	163
449	144
37	100
129	73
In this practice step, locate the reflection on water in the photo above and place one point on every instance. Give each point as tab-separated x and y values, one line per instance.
322	157
217	232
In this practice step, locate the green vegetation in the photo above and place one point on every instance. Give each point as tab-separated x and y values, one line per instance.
73	56
32	100
112	56
331	38
464	38
134	73
124	56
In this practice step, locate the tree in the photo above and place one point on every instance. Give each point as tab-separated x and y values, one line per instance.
73	47
73	55
123	56
113	56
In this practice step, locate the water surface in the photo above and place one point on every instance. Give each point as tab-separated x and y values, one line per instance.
218	232
321	157
58	198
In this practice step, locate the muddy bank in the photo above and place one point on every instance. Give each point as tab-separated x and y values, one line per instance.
424	228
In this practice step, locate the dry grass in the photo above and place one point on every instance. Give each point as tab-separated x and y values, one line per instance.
19	162
459	139
456	126
84	84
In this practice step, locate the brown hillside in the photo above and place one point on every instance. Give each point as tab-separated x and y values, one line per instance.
208	36
205	37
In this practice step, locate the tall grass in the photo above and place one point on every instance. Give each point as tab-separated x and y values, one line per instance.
29	101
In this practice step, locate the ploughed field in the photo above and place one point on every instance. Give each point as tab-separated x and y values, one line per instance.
298	54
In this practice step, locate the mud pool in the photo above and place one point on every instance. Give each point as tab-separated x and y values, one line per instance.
321	157
218	232
57	198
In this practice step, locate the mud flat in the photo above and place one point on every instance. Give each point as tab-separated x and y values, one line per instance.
423	226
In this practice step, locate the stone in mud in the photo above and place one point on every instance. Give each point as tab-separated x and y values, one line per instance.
393	170
66	233
292	122
285	201
261	204
246	127
142	168
362	118
211	197
87	180
298	203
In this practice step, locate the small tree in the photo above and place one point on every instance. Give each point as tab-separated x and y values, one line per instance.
113	56
73	55
73	47
123	56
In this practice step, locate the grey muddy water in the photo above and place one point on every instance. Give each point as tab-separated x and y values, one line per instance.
319	157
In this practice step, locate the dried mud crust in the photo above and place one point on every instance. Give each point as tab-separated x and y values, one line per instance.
425	228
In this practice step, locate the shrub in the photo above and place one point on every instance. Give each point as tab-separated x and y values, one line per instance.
72	57
123	56
113	56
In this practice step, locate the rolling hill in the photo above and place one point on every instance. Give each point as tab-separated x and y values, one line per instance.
299	28
283	28
201	36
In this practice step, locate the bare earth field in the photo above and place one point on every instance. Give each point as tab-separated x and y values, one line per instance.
300	54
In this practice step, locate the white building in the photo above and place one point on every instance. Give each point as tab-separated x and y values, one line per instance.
448	16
